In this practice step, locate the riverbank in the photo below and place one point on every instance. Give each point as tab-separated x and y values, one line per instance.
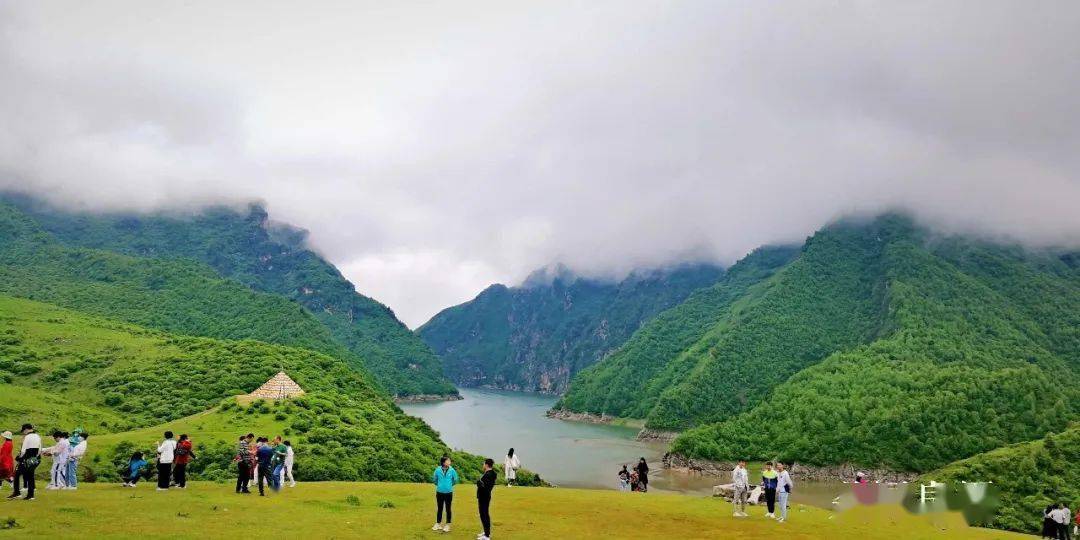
392	510
427	398
830	473
590	418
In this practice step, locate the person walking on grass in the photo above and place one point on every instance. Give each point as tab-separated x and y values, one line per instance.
265	456
166	453
286	472
783	490
740	482
27	462
184	455
444	479
484	486
768	484
243	465
135	467
280	453
7	461
59	451
643	475
624	479
78	450
510	466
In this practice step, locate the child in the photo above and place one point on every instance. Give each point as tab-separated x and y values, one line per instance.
135	465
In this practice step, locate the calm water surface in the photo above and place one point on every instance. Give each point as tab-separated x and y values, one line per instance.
571	454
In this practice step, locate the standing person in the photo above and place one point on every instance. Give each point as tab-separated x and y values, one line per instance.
1061	517
643	475
184	455
783	489
510	466
28	461
264	454
280	453
59	451
1076	524
135	466
243	465
77	452
624	479
166	452
768	483
484	486
287	471
444	478
740	480
253	447
1049	528
7	462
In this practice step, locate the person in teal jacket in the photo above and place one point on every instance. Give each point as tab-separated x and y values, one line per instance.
444	478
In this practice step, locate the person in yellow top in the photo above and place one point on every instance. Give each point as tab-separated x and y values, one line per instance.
768	484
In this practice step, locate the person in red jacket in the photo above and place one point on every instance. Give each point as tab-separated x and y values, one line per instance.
183	457
7	463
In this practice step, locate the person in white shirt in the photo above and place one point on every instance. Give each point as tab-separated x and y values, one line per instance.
59	451
783	489
1061	516
76	454
29	458
740	480
510	466
166	452
286	471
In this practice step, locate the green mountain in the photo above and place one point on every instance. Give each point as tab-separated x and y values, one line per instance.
1029	475
536	336
266	257
126	384
880	344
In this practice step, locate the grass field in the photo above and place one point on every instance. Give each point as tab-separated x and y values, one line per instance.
393	510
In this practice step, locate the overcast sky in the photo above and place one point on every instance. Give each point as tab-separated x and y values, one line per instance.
434	148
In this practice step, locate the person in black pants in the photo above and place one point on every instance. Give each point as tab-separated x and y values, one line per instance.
264	454
484	486
28	461
243	466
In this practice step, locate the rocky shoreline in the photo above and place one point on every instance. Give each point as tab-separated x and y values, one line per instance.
588	418
657	435
427	398
827	473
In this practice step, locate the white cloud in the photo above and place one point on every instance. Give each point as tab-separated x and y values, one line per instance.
433	148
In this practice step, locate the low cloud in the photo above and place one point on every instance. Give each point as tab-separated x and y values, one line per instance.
433	149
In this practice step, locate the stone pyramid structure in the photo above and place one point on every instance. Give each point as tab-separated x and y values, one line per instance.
280	386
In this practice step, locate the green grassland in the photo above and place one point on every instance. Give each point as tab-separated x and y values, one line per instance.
394	510
126	385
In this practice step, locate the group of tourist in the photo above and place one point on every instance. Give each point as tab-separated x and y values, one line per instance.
268	462
445	478
636	479
66	451
776	485
1056	520
173	457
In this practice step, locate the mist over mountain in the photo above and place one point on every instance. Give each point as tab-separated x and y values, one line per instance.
432	150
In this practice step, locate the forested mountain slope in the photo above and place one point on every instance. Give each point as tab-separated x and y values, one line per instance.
117	380
536	336
1029	475
880	345
267	257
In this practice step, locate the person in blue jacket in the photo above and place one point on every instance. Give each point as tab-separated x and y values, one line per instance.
444	478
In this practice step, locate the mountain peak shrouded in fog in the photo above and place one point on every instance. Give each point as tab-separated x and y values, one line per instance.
434	149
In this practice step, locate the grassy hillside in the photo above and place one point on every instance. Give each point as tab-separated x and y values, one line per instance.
267	257
363	510
176	295
1030	476
120	382
538	335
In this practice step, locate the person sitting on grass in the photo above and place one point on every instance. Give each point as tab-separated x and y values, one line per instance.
134	469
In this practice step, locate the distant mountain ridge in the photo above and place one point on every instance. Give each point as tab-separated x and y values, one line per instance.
268	257
536	336
880	343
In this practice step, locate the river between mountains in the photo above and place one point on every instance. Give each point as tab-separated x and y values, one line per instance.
569	454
